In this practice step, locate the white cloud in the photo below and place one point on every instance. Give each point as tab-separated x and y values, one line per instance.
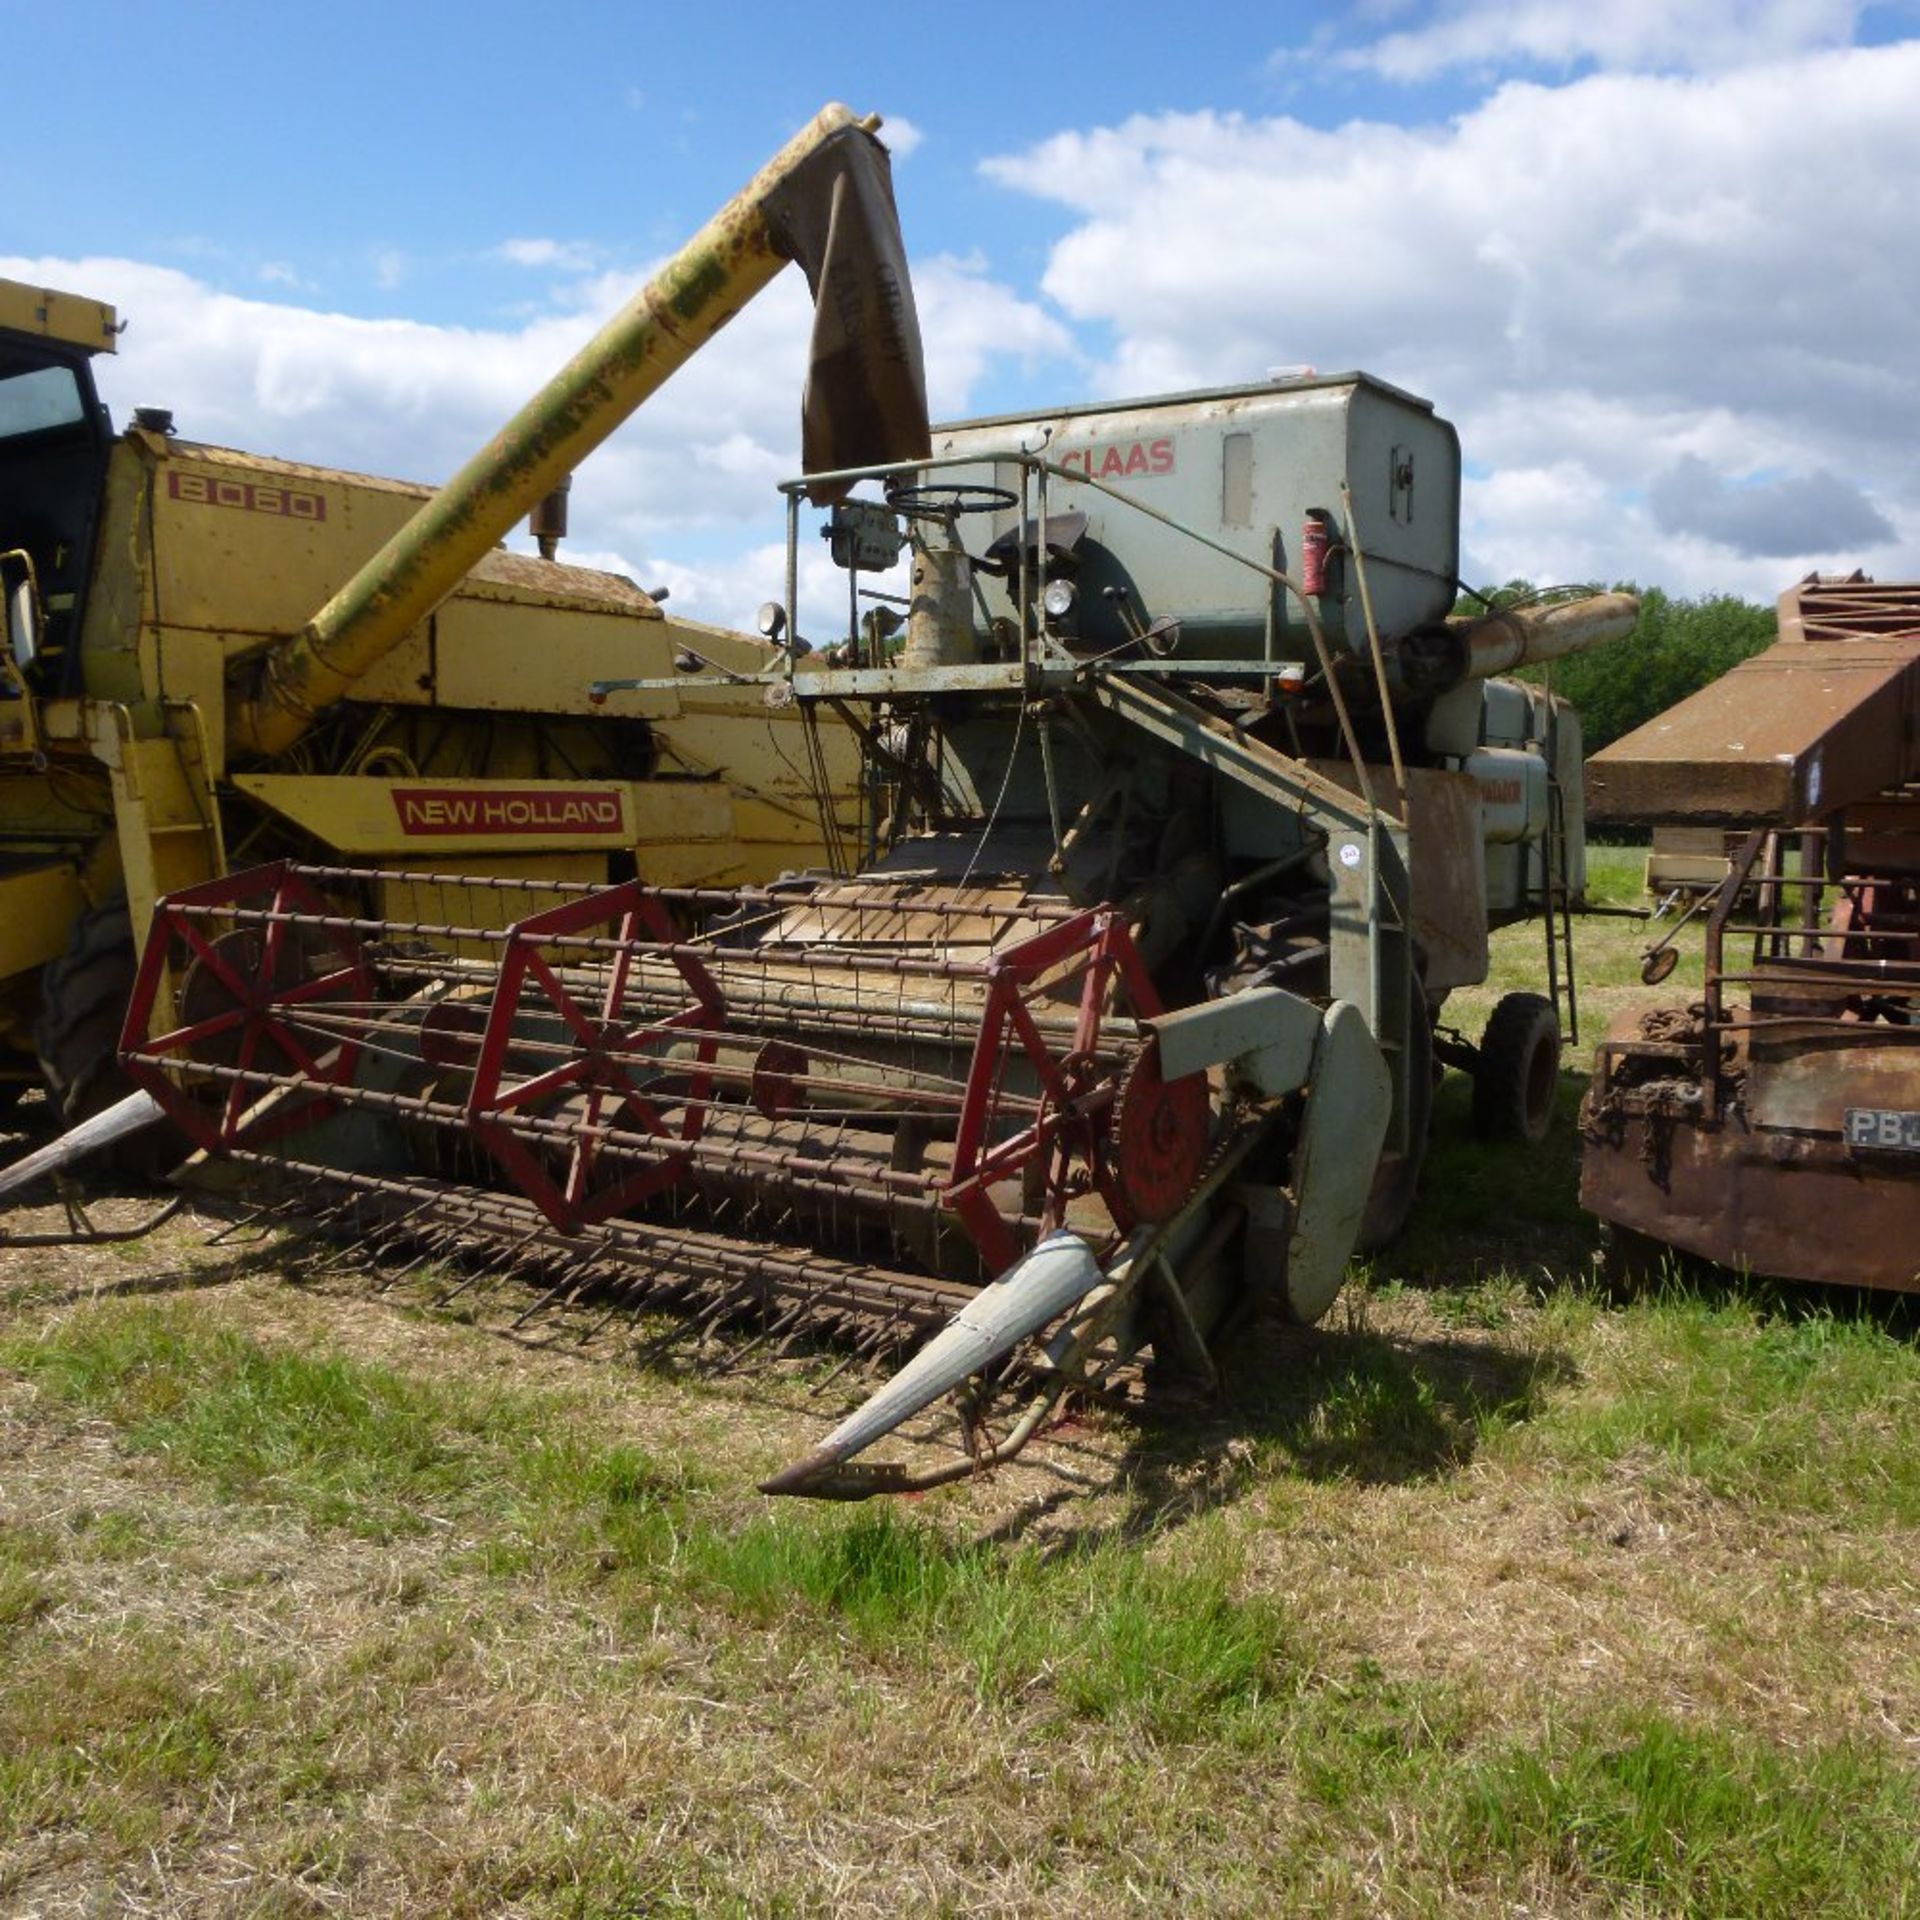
683	493
569	256
1665	35
1597	281
968	320
902	137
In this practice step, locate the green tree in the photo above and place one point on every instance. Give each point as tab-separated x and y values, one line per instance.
1675	648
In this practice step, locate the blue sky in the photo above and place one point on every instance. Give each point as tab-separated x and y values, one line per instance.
1657	261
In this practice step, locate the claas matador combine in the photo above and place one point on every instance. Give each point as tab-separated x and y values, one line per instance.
1188	805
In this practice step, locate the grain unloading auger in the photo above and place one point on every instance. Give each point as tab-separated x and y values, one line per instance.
1178	838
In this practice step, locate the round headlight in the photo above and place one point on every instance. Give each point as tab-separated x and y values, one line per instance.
1057	599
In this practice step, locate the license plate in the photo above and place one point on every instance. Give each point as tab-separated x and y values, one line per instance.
1883	1127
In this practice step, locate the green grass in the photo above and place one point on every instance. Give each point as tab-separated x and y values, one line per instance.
345	1444
1494	1594
1797	1407
1693	1822
105	1734
1184	1716
1107	1634
364	1449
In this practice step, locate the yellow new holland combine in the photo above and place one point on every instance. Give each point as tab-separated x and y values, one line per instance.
172	706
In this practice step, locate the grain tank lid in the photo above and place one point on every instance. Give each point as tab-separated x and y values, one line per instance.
1826	716
505	575
70	318
1199	397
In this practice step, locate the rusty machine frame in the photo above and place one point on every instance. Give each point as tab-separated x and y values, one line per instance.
1774	1123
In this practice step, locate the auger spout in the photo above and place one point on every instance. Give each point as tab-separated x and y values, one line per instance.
825	200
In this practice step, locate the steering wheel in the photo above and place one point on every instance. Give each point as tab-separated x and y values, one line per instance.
948	501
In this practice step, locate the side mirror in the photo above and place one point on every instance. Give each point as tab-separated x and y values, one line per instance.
24	626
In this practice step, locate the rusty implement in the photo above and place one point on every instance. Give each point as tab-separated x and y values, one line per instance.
895	1110
1826	716
1774	1125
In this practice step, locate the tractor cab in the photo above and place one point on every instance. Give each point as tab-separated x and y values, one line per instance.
54	436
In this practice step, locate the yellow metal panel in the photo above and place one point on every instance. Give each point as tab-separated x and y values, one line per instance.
498	655
37	910
249	546
118	599
422	820
168	828
70	318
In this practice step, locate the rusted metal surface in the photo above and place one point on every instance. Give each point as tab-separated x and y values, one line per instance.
1767	1202
1828	715
1774	1125
1438	657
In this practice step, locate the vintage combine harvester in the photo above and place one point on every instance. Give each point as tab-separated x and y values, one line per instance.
1192	806
172	706
1774	1123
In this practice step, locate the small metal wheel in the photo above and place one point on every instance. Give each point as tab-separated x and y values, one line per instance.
1516	1075
949	500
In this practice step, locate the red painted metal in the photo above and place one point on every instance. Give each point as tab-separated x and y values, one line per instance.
616	1077
1066	1143
1161	1131
265	980
610	1054
1313	557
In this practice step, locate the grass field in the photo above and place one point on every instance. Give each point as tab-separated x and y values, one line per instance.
1490	1596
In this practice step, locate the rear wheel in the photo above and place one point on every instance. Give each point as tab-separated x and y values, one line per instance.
76	1034
1516	1077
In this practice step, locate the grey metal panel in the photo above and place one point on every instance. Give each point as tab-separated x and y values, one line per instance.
1183	454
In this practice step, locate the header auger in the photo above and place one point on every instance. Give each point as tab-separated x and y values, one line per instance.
879	1108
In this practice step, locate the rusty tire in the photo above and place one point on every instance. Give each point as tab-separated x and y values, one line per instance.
1516	1078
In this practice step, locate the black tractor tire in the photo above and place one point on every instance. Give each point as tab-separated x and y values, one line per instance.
1397	1180
1516	1077
83	1004
76	1034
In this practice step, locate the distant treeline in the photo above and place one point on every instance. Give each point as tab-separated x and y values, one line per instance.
1677	646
